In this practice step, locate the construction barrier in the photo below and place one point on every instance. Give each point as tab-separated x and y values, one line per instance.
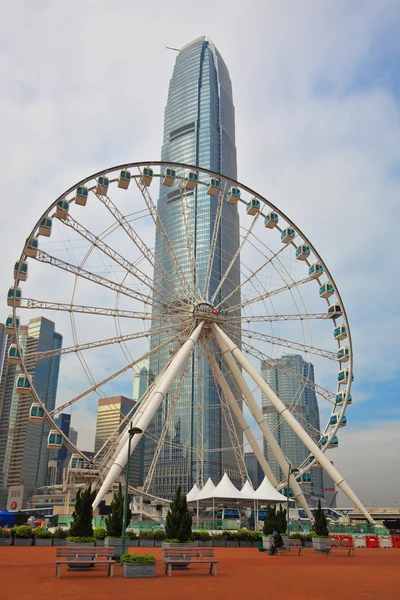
385	541
359	541
372	541
396	541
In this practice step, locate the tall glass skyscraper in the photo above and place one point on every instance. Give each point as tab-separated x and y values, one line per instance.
23	445
199	129
304	399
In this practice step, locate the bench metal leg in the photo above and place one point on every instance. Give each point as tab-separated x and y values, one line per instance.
169	567
215	569
58	571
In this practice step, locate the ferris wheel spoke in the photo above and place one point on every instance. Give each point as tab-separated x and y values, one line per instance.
275	364
166	242
190	245
276	318
98	279
263	337
99	243
214	239
231	264
94	387
266	295
166	427
147	253
118	339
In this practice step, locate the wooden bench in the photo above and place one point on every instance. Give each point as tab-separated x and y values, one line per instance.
340	545
78	555
289	544
189	555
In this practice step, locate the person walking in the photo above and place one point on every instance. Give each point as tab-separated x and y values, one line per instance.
278	542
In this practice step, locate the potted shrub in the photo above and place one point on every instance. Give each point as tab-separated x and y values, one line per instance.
201	538
321	541
146	538
245	538
60	536
43	537
5	536
114	523
308	538
99	533
139	565
159	537
22	535
81	532
132	537
218	540
231	539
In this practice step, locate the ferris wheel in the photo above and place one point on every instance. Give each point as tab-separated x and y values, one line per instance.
211	284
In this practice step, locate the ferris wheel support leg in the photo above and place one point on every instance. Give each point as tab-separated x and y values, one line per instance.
149	413
293	423
220	379
257	414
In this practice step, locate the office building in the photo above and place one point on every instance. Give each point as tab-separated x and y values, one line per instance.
254	469
199	129
289	389
23	445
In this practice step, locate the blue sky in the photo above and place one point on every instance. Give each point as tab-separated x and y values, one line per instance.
317	94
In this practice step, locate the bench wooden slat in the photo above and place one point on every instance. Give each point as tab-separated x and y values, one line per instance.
196	554
79	555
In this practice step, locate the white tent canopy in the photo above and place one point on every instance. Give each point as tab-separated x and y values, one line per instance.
225	490
248	489
206	492
193	493
267	493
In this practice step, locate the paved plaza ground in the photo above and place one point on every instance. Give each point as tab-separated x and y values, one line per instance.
243	573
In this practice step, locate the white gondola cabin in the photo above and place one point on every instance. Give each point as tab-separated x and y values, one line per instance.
36	413
333	443
253	207
23	385
335	311
343	354
54	441
32	247
233	195
303	252
124	180
315	464
23	272
335	419
102	186
147	176
315	270
77	462
306	478
214	187
62	209
340	333
81	195
271	220
169	177
288	235
341	397
191	180
343	376
326	290
10	297
14	357
10	329
45	227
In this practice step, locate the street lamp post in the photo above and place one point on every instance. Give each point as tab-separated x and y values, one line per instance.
291	470
131	431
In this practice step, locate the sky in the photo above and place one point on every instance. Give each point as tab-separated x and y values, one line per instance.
316	88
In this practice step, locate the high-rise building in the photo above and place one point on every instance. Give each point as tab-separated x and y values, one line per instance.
329	490
109	424
58	458
23	445
141	379
254	469
199	129
303	398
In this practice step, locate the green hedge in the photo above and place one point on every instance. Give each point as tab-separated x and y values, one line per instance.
99	533
42	533
78	539
138	559
22	531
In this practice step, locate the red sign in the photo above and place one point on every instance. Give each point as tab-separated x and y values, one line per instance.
13	505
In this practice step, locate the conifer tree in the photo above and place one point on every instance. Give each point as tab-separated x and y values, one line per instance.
83	514
320	522
114	521
178	523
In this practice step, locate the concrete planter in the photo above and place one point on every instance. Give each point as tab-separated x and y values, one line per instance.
146	543
43	541
132	543
100	543
307	544
232	544
23	541
157	543
267	542
5	541
116	543
219	543
321	545
132	570
82	566
59	542
245	544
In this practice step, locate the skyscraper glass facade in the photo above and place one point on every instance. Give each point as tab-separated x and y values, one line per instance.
304	399
23	445
199	129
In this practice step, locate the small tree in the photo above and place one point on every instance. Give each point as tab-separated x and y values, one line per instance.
281	520
178	523
114	521
83	514
321	523
270	521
